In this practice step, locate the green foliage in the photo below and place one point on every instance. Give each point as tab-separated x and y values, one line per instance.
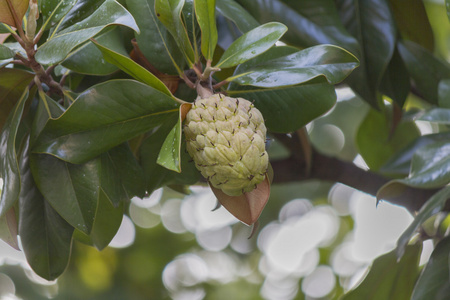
389	278
91	111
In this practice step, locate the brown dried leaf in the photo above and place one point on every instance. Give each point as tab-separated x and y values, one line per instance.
247	207
12	8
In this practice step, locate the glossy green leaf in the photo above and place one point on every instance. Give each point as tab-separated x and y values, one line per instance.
310	22
375	142
431	207
53	11
127	65
444	93
80	11
372	23
430	166
331	62
155	42
169	156
58	47
12	84
7	12
8	228
434	281
107	222
286	109
205	11
6	53
169	13
400	163
231	10
72	190
45	236
88	59
252	44
389	278
425	69
103	117
417	29
9	165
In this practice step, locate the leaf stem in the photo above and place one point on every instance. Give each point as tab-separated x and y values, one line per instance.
220	84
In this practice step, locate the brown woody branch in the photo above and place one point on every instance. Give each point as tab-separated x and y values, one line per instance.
326	168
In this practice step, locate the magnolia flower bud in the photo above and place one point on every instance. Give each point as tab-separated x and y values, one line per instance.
226	138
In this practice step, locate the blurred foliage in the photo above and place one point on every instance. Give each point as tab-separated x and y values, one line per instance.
369	80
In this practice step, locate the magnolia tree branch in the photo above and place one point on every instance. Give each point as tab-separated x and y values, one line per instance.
326	168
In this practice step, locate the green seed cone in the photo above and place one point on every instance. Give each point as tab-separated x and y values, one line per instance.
226	138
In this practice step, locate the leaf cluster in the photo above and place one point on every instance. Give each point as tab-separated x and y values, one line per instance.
91	95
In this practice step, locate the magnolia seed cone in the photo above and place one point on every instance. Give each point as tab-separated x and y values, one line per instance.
226	138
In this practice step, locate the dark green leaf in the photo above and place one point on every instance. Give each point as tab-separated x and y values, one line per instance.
400	163
88	59
133	69
372	23
252	44
9	165
417	29
3	28
47	108
53	11
102	117
396	82
107	222
205	11
121	177
431	207
169	156
310	22
155	42
72	190
331	62
288	109
375	141
12	84
58	47
425	69
169	13
6	53
433	283
444	93
45	236
389	278
8	228
127	172
237	14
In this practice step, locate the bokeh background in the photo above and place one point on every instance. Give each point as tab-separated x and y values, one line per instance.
315	240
